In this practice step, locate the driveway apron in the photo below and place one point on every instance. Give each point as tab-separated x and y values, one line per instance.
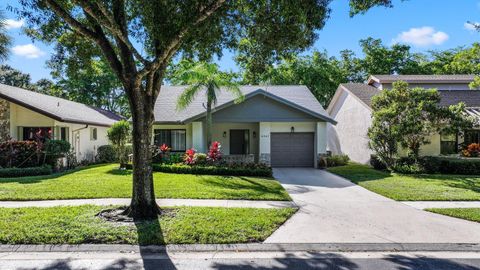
334	210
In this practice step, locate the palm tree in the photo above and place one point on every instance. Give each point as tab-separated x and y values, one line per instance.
5	40
207	77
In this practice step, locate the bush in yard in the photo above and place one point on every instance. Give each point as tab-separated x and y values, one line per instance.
22	172
376	163
20	154
200	158
451	165
118	135
337	160
472	150
230	170
55	149
106	154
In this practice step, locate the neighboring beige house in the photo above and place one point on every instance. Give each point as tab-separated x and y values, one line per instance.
284	126
350	108
27	115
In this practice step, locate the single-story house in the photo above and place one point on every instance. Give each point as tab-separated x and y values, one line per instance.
351	109
284	126
27	115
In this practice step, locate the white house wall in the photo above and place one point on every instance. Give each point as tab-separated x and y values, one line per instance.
78	137
349	136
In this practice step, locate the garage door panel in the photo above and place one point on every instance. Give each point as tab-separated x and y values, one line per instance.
292	149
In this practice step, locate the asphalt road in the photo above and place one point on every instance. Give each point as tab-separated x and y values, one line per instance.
243	260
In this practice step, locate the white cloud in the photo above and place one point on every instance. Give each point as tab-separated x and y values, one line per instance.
13	24
422	36
470	25
28	51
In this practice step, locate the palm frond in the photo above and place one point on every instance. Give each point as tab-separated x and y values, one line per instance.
188	95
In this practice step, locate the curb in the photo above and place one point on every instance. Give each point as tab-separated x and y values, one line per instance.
254	247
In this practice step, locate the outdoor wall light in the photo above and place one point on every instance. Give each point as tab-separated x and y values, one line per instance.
254	134
224	134
292	129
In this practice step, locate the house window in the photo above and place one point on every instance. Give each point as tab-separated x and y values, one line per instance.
472	136
37	133
448	144
93	134
175	138
64	134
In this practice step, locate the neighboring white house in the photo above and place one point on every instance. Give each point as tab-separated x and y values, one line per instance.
350	107
284	126
27	115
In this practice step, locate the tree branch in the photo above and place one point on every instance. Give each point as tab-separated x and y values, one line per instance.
100	13
204	13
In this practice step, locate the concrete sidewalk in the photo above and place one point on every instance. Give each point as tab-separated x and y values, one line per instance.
161	203
334	210
442	204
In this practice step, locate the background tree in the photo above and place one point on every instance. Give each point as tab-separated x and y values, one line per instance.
138	39
14	77
408	117
320	73
82	72
204	78
118	134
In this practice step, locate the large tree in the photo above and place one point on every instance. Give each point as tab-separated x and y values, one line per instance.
138	39
5	40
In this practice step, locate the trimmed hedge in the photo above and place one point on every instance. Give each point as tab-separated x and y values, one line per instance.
22	172
231	170
450	165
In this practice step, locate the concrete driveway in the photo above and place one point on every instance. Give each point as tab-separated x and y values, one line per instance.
334	210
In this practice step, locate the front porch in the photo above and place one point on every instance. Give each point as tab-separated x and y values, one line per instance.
280	144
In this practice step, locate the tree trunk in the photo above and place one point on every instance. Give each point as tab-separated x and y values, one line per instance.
209	124
143	204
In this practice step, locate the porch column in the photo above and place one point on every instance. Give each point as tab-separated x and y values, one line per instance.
264	141
198	141
321	141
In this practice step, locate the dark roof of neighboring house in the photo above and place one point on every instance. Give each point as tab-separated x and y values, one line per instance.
362	91
296	96
421	78
58	108
471	98
365	92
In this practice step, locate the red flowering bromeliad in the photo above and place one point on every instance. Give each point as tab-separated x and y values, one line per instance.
214	153
165	149
189	158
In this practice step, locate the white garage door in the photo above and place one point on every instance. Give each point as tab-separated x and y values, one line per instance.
292	149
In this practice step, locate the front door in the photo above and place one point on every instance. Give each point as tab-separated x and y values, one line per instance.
239	141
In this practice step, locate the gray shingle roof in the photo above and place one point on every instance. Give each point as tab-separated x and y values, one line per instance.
471	98
457	78
58	108
365	92
297	96
362	91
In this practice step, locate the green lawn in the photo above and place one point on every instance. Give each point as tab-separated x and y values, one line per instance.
425	187
105	181
181	225
472	214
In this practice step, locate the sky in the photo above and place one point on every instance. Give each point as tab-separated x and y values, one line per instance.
423	24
